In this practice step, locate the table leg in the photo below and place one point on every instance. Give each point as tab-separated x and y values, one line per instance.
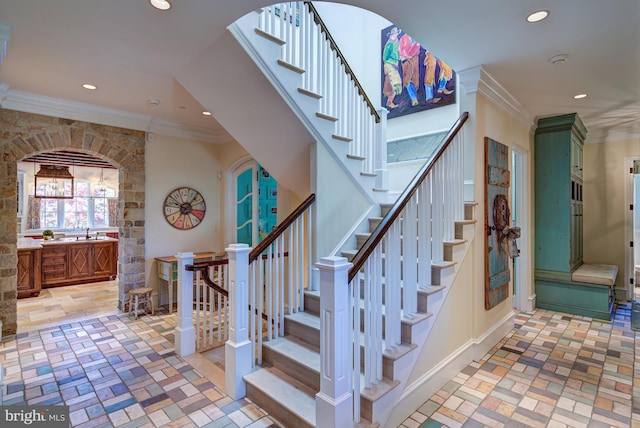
170	288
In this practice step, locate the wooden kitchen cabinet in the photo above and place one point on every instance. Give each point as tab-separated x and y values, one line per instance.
54	265
104	257
29	272
77	262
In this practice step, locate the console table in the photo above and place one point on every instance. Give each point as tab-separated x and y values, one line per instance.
168	271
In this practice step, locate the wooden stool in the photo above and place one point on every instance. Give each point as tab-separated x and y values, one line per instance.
140	296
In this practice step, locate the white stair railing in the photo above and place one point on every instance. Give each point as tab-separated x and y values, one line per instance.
279	272
210	307
307	45
412	233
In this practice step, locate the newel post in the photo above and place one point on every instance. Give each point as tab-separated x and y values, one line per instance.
334	402
185	332
238	349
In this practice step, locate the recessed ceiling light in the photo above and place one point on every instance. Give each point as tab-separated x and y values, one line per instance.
154	102
89	86
559	59
206	113
160	4
537	16
579	96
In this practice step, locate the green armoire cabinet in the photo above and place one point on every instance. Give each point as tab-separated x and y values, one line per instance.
558	193
559	221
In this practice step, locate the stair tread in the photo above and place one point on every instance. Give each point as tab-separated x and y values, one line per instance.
292	395
271	37
430	289
342	138
377	390
443	264
394	352
292	347
305	318
453	242
466	221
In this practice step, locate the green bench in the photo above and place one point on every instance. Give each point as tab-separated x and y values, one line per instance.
587	291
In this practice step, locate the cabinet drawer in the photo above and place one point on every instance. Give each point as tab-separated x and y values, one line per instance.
49	277
54	250
54	260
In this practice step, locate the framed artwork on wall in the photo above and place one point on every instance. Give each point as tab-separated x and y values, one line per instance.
413	78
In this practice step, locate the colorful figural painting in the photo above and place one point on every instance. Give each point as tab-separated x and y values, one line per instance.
413	78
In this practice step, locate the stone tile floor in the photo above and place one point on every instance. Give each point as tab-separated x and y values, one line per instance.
58	305
118	371
553	369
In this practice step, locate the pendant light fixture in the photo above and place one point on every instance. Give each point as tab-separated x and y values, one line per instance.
53	182
100	186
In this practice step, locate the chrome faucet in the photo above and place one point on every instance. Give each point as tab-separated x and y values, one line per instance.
87	237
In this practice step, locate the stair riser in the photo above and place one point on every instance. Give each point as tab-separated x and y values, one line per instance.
464	230
422	297
454	253
303	332
384	209
312	304
289	365
274	408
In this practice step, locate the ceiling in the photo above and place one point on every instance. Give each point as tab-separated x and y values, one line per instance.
133	52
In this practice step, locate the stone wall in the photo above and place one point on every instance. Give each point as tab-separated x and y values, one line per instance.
25	134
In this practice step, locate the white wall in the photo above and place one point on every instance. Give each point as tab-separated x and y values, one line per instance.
171	163
605	206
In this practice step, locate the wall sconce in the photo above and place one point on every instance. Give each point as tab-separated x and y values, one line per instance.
53	182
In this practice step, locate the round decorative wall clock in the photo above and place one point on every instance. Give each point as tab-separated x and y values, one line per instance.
184	208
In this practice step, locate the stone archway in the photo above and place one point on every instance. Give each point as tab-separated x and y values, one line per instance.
26	134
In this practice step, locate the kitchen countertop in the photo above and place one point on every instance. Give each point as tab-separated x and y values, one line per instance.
29	243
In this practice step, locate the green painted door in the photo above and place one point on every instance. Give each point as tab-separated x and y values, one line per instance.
254	179
267	203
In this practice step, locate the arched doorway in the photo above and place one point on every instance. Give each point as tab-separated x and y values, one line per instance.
252	201
27	134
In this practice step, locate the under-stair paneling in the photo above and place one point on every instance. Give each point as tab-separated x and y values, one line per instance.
340	205
450	345
228	83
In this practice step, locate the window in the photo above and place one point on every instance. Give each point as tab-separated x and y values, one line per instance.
80	212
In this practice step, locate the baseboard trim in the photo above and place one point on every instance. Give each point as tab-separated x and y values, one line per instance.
414	395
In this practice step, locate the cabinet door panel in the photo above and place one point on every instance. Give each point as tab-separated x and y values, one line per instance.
103	260
26	261
79	260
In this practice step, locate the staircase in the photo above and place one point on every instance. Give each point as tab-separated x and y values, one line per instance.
286	384
396	289
322	91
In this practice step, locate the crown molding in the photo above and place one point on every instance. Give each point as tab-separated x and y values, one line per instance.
477	80
12	99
